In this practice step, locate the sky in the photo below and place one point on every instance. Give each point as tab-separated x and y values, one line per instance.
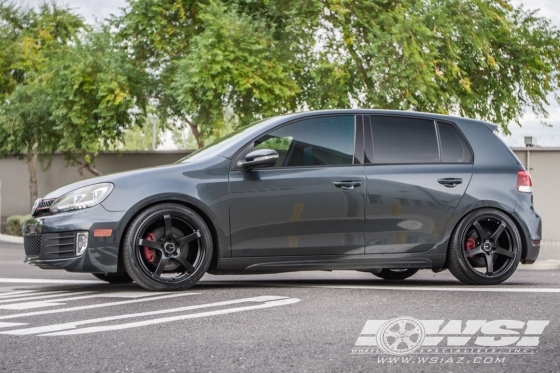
530	125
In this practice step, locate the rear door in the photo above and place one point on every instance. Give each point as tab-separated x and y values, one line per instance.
417	171
312	201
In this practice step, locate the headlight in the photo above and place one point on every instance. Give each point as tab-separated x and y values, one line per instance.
82	198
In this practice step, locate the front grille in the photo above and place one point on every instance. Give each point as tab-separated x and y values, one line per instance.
32	245
61	245
43	207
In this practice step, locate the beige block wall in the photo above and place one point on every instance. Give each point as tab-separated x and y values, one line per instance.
544	166
14	176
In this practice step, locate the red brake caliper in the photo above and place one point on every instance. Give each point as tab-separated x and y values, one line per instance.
470	244
147	252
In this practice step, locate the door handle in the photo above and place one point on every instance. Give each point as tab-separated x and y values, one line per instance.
347	185
450	182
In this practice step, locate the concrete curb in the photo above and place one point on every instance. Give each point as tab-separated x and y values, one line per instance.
11	239
541	265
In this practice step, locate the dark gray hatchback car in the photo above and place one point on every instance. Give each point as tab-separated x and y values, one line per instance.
386	192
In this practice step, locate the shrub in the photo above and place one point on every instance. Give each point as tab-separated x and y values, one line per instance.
14	224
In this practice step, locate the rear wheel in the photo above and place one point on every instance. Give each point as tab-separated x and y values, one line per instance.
167	247
114	278
485	248
395	273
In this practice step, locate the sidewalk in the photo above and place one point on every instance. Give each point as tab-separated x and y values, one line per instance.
549	257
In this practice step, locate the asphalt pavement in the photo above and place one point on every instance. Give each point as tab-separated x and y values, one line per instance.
341	321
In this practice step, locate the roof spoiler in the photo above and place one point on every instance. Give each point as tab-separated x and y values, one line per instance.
493	127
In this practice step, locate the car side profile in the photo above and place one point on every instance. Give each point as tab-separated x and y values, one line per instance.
386	192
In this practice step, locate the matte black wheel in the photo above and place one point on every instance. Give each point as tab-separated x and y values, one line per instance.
395	273
167	247
114	278
485	248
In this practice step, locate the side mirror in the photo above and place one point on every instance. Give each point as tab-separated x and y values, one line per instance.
260	158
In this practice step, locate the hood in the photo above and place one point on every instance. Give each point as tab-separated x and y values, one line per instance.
116	178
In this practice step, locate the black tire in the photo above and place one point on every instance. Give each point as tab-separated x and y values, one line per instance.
114	278
163	241
485	248
396	274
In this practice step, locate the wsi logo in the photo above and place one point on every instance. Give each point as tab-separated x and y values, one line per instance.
405	335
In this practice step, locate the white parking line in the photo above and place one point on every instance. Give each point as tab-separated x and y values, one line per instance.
272	301
48	281
11	324
13	294
81	308
41	296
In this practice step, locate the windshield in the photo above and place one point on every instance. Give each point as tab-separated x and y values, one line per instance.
215	146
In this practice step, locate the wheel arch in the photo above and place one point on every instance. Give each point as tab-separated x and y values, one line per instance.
512	216
178	199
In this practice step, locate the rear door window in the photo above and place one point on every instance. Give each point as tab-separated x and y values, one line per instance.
402	140
453	146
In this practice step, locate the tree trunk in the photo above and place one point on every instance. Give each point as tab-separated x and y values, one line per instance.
90	168
32	155
196	134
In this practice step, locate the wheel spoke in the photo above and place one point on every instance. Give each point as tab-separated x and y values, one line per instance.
504	252
151	244
168	230
408	342
188	266
188	239
498	232
477	250
396	344
161	265
480	231
402	326
489	265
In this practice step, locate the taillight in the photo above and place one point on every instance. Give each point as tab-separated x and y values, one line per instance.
524	182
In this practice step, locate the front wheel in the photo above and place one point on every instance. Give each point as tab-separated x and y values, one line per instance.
396	274
167	247
485	248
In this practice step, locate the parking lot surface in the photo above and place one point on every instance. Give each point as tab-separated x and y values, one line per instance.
54	321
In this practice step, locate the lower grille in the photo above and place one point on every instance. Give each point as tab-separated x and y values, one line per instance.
32	245
61	245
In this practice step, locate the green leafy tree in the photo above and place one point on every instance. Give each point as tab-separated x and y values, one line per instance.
96	96
27	38
480	58
208	57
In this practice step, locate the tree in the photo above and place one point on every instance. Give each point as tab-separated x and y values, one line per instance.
97	94
207	57
27	37
64	87
479	58
482	58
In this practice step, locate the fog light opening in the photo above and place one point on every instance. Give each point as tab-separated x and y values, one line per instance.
81	242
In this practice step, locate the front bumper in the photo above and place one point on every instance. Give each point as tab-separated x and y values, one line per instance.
50	240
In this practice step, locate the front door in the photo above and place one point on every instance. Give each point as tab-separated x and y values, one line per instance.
418	172
311	202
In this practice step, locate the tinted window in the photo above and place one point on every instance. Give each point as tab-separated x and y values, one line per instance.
312	142
453	147
404	140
